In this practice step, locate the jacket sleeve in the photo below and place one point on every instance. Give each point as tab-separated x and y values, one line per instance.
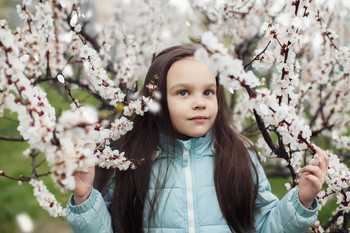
91	216
287	215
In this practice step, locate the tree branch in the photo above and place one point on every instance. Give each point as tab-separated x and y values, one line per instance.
332	220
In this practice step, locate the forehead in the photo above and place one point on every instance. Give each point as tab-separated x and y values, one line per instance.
188	70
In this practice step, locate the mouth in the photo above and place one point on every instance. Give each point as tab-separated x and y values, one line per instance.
199	119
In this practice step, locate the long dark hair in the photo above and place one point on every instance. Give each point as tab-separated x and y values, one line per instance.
233	172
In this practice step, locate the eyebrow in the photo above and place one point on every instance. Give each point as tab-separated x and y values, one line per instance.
186	85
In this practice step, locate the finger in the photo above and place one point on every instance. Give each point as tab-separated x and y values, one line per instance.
313	170
320	152
84	171
323	156
314	180
310	168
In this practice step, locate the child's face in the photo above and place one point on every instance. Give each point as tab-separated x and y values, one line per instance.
192	101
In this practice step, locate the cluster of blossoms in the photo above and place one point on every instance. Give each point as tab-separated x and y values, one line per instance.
231	71
36	116
138	107
46	199
295	83
112	158
127	67
234	20
338	181
120	127
98	77
143	26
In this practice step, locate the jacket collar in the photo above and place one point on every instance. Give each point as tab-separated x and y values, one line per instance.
196	145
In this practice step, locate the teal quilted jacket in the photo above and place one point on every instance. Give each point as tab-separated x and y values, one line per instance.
188	203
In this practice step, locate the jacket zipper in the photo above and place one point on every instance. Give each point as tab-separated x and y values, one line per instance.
189	192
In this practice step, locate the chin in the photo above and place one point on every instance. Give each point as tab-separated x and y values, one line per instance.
198	135
186	136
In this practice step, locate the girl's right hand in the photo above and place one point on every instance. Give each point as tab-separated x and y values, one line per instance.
83	184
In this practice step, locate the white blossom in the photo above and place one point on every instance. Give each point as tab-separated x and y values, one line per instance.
154	106
24	222
24	58
73	21
60	78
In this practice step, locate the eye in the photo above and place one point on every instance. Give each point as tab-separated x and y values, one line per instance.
209	92
182	93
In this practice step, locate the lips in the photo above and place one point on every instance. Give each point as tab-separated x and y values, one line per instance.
199	119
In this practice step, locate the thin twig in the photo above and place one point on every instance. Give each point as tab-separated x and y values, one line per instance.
21	178
36	176
10	138
327	33
70	94
256	57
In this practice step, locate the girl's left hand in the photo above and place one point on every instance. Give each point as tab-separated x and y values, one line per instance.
312	178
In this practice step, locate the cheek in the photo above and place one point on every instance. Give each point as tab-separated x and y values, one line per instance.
175	120
174	106
174	113
172	110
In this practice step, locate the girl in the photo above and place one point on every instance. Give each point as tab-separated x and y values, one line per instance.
198	175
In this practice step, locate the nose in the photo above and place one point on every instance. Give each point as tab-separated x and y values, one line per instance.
198	103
